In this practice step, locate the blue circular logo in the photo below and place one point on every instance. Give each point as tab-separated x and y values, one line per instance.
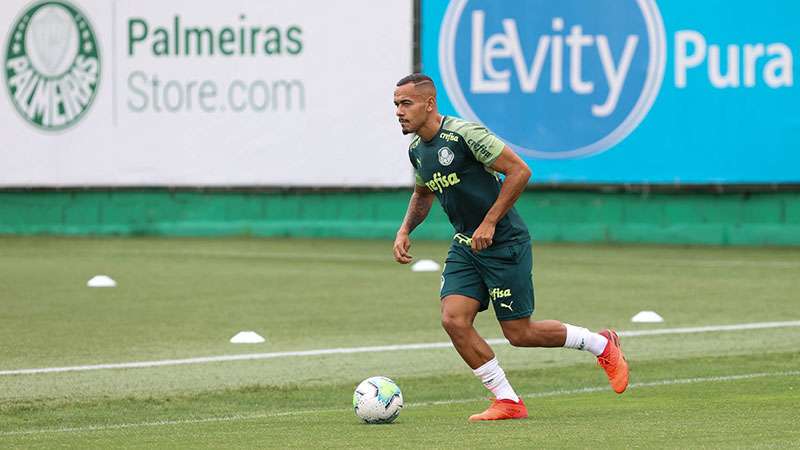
553	79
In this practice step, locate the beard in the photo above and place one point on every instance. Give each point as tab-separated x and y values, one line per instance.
406	128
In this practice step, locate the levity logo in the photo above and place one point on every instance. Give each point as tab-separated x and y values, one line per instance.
52	64
554	79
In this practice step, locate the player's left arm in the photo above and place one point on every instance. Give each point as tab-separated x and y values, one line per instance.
517	173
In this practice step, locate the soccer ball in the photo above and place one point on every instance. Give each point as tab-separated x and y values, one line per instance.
377	400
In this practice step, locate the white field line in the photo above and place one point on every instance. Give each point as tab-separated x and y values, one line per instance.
712	328
381	348
246	417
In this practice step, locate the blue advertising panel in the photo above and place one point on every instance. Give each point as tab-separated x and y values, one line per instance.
625	91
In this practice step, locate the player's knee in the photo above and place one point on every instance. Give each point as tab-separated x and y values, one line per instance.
516	339
455	324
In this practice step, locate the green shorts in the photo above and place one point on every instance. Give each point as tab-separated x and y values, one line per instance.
500	275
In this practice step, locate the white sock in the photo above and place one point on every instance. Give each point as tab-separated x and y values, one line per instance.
494	378
583	339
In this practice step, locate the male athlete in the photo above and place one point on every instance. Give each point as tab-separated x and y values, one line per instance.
490	259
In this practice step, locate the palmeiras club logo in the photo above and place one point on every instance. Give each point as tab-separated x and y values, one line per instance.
52	65
446	156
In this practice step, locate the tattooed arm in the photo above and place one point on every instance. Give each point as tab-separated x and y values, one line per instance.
418	208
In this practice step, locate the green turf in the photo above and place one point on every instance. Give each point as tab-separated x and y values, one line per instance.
180	298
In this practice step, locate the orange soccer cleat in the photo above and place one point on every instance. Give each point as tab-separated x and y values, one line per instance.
613	362
502	410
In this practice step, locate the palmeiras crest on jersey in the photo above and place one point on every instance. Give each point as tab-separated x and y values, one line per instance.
446	156
52	64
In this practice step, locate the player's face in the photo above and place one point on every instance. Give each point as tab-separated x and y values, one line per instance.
412	108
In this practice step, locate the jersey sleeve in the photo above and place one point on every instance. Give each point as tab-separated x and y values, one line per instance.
417	178
484	145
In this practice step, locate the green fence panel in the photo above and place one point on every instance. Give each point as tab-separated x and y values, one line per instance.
581	216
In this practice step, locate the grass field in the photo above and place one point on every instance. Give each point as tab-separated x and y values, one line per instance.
185	298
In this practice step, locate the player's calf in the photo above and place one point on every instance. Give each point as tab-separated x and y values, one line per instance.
526	333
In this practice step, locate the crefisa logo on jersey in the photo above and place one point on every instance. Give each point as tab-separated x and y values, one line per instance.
52	64
553	79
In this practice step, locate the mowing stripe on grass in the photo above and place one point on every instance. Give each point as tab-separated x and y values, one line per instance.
380	348
245	417
316	257
387	258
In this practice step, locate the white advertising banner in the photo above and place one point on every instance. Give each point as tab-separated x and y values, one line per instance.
203	93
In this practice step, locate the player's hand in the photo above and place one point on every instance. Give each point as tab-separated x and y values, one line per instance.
482	237
401	245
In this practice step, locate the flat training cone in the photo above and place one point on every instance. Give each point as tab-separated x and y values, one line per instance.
247	337
425	265
647	317
101	281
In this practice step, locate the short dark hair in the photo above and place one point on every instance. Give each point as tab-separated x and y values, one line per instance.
417	79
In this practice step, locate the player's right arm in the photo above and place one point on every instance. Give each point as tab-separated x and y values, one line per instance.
418	208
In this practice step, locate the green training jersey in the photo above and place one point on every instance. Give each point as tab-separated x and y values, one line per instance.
456	166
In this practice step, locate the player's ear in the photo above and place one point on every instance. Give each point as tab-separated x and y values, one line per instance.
431	104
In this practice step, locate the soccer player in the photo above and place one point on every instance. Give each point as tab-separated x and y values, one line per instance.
489	260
